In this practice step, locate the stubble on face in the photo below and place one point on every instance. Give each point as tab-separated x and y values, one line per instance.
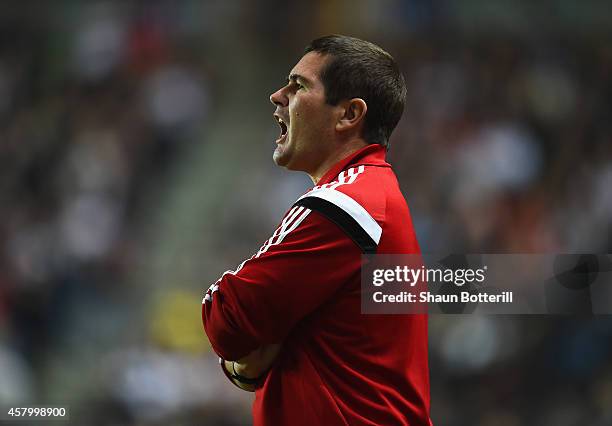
301	106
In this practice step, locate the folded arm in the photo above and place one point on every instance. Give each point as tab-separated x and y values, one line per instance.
247	312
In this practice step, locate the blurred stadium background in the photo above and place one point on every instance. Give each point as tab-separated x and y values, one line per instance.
135	167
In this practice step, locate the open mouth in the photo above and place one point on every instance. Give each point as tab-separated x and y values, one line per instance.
283	128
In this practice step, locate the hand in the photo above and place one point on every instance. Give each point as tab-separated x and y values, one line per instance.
257	362
253	365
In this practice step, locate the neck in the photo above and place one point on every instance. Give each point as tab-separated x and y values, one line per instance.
342	152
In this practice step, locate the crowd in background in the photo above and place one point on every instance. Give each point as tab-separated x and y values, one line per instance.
135	167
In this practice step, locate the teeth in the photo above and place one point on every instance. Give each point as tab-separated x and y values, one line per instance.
282	125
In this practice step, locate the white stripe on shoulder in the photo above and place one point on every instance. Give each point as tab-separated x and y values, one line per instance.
351	207
291	221
344	178
283	226
353	174
293	225
340	181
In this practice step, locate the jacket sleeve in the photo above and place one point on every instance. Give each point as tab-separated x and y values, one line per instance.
300	267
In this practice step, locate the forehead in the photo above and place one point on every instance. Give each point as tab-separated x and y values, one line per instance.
310	66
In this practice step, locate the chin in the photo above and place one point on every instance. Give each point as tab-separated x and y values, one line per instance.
282	155
279	158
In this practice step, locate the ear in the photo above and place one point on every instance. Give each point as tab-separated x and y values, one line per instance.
352	114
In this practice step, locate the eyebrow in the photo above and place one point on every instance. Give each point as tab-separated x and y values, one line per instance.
295	77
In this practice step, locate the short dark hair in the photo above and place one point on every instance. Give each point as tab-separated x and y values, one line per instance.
360	69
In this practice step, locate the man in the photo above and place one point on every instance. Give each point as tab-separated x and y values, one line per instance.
287	321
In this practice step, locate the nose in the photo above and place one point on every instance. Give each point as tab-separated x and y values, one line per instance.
279	98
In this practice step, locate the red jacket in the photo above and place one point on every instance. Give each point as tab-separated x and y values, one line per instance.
302	288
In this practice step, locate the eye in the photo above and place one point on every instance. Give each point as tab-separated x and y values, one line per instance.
298	86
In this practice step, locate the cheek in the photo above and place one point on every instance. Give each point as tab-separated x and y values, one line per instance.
307	114
309	117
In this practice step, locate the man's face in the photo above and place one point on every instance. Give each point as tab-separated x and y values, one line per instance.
307	122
